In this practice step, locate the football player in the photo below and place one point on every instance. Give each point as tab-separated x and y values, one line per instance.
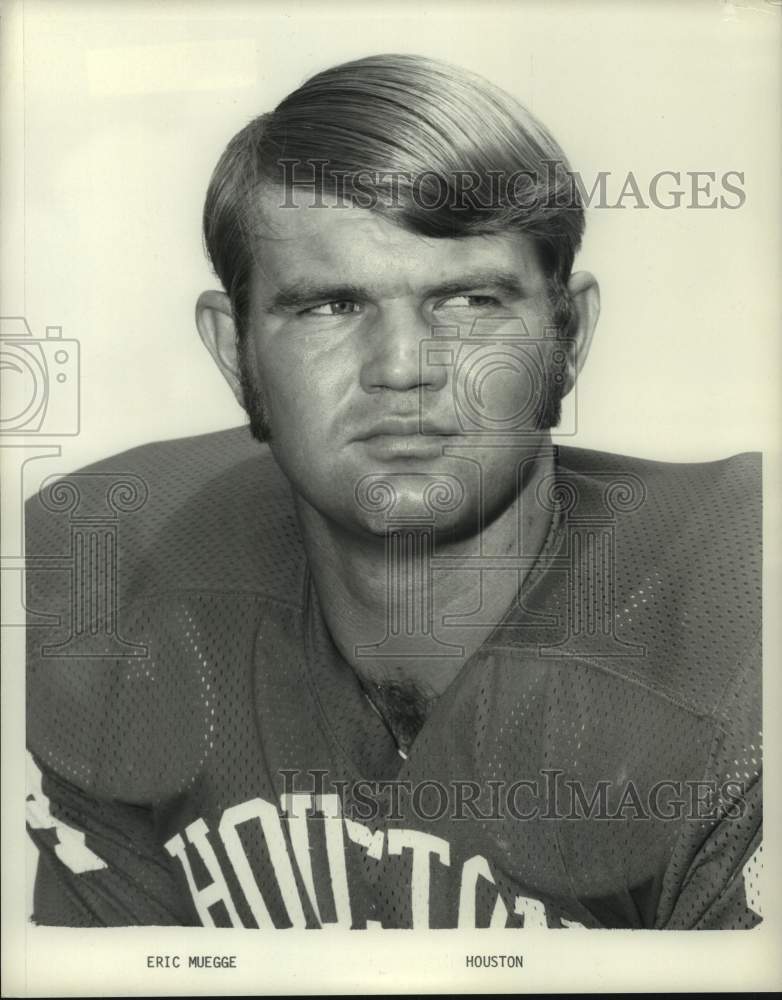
394	659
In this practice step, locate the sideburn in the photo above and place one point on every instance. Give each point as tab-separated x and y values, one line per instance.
254	403
562	313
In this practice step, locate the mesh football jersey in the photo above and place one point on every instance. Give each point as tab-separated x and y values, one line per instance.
200	753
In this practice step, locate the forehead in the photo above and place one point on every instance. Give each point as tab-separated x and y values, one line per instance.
350	245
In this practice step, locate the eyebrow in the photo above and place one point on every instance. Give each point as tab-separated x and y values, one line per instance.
303	293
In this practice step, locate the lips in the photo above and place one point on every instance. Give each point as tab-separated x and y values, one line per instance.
405	438
400	427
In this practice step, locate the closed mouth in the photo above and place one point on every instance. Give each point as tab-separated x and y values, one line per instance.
400	427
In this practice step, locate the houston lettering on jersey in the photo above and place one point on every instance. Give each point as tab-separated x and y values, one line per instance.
302	898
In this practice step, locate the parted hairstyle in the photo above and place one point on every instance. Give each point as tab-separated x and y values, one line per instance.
441	151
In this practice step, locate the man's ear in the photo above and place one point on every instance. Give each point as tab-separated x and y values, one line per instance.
215	322
584	294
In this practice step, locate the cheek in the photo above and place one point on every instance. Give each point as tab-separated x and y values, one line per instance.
499	387
304	382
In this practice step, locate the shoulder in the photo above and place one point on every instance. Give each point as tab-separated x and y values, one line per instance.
714	508
148	575
208	512
735	478
684	555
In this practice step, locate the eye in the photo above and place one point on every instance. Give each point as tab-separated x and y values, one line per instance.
469	302
341	307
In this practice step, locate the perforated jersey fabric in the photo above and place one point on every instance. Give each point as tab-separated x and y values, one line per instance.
200	753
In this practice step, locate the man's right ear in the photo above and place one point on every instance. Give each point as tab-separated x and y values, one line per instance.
215	322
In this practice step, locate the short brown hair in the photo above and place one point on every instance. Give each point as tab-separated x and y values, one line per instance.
418	119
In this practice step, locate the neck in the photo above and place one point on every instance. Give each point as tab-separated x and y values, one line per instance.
400	619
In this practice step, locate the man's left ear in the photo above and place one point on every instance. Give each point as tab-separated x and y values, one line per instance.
584	294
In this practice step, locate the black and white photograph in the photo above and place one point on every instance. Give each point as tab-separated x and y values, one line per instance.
391	464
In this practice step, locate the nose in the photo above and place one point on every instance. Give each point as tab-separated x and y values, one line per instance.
394	357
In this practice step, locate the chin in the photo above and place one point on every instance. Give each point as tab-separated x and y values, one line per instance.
442	509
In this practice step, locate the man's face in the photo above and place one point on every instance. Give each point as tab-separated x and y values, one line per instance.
400	376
